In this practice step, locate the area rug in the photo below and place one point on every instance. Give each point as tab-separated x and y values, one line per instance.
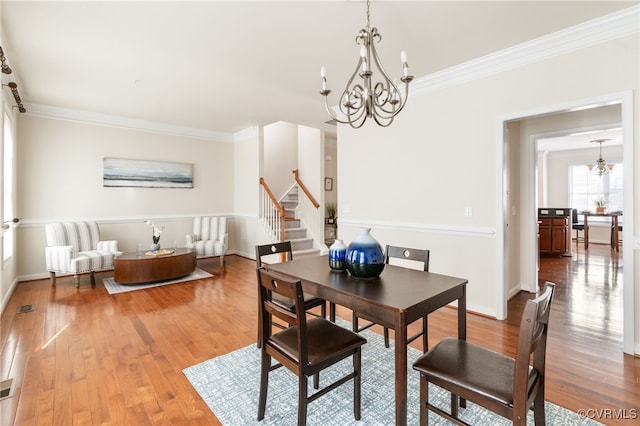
229	385
114	288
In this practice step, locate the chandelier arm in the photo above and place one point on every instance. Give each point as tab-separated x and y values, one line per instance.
350	116
382	100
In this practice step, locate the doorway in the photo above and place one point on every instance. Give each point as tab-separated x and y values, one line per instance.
524	272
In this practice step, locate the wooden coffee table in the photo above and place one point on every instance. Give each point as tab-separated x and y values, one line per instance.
132	268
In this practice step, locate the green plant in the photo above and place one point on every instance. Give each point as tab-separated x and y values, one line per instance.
331	211
601	202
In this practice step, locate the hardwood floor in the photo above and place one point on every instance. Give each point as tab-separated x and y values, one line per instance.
86	357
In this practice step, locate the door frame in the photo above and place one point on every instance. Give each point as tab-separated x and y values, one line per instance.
625	99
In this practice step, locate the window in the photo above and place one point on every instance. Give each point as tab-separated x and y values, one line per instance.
585	188
7	174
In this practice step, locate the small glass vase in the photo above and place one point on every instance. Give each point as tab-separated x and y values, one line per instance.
365	258
337	256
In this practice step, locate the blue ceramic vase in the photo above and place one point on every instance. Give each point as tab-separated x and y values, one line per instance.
337	256
365	258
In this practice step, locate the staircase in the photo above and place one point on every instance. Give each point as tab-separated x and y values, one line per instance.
294	229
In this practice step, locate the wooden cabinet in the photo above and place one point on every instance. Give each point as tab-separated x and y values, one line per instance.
553	235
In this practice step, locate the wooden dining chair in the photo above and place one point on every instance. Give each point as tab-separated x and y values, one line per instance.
507	386
577	225
307	347
407	257
310	302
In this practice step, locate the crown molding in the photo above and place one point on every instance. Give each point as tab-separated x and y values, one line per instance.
610	27
125	122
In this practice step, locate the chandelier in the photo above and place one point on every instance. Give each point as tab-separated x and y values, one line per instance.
600	167
363	99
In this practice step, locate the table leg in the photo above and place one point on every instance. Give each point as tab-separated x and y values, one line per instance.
614	233
585	221
401	370
462	326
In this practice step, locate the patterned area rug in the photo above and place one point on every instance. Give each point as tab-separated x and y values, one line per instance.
229	384
113	287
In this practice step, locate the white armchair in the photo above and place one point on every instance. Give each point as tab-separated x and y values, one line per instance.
75	248
209	237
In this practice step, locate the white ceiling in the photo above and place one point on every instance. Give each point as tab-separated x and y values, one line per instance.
582	140
227	66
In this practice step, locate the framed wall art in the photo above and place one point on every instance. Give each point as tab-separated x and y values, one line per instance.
147	174
328	184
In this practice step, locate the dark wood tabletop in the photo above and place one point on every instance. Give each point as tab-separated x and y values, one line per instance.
395	299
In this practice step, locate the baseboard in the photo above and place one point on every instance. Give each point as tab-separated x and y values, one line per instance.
7	297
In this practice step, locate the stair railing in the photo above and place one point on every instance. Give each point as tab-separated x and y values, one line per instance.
272	213
309	212
304	189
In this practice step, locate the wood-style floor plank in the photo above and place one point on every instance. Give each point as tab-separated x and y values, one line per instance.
86	357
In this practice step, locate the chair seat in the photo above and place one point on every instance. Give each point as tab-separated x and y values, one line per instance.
325	340
472	367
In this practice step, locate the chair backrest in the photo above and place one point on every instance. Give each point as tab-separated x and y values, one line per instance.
532	341
82	236
274	248
271	283
574	216
417	257
209	227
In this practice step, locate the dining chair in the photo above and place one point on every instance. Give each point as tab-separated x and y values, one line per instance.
307	347
406	257
507	386
310	302
577	225
620	229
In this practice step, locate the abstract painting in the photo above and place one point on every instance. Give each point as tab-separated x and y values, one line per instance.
149	174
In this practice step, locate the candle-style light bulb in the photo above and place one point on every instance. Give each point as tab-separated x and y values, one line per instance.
405	65
323	73
363	55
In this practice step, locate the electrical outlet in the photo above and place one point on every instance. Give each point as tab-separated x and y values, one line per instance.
468	211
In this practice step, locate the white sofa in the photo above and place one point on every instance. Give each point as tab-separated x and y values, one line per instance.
76	248
209	237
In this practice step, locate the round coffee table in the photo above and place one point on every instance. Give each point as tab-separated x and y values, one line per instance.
133	268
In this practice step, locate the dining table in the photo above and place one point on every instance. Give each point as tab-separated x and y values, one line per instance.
395	299
615	234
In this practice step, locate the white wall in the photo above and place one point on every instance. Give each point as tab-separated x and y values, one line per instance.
60	178
311	165
411	181
280	156
248	166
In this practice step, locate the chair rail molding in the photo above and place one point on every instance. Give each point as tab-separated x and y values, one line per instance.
458	231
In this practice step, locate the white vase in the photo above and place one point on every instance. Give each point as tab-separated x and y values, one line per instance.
337	255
